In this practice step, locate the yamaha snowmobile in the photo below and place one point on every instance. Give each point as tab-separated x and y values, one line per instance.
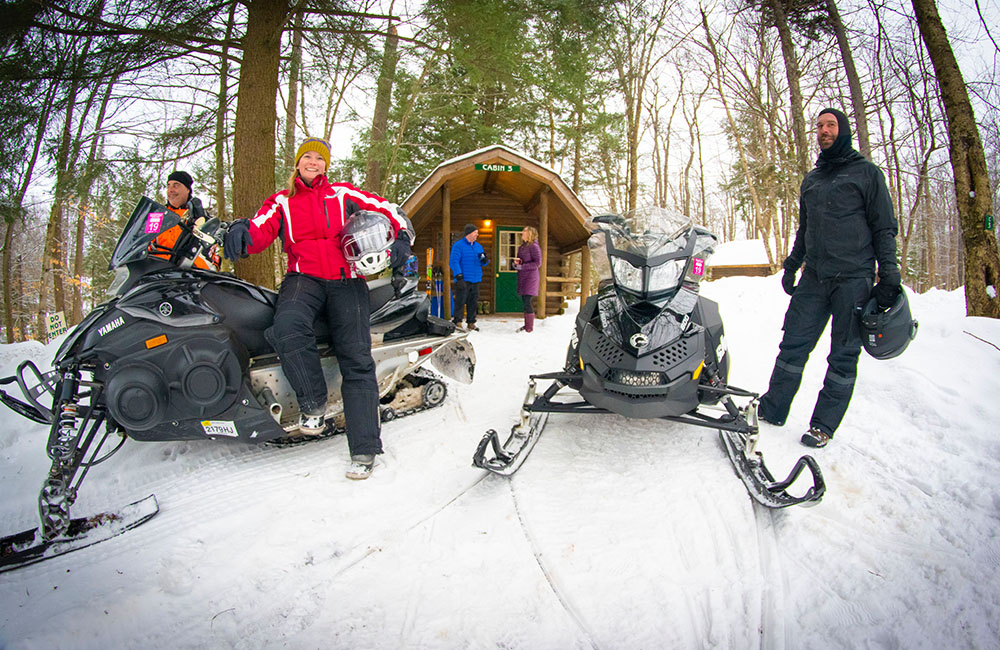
182	353
647	345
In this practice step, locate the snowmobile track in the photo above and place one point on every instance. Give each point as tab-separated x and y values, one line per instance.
563	599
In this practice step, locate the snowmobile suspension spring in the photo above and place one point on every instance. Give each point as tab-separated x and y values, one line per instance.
64	445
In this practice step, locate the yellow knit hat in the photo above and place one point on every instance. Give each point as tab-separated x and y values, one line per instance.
322	147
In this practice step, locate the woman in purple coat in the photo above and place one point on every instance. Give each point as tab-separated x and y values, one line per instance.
527	262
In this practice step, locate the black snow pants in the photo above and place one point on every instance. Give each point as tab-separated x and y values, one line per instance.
345	305
811	307
467	298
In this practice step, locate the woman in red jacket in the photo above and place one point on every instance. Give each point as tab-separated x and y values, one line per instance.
309	216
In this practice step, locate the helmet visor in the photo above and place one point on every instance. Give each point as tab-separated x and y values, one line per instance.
375	238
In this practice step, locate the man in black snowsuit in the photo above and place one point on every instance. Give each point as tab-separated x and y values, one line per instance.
846	225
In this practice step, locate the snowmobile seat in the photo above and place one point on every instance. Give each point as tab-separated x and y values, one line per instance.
380	292
245	314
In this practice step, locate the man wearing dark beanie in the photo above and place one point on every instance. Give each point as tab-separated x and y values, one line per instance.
178	189
182	202
846	227
467	260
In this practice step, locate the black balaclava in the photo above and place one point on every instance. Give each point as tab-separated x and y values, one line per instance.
841	148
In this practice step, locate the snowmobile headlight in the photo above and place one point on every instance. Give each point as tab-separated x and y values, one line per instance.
626	275
666	276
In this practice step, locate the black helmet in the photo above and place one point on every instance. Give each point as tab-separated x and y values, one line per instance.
367	237
886	333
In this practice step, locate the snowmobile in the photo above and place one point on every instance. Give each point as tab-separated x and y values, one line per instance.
182	353
648	345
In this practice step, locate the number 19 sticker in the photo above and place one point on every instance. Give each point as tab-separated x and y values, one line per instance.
154	221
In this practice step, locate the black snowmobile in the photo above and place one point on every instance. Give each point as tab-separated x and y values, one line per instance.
647	345
181	353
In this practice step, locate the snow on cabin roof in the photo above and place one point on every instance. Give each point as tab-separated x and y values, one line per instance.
744	252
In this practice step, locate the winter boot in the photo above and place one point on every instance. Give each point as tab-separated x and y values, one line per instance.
471	327
311	425
815	438
361	467
529	322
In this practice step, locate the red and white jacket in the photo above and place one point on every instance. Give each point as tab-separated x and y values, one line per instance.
310	224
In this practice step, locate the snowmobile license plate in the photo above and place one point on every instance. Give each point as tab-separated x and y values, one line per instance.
219	428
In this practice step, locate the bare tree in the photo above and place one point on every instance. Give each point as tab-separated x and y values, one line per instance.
974	197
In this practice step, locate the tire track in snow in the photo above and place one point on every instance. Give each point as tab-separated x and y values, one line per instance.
772	597
357	555
559	593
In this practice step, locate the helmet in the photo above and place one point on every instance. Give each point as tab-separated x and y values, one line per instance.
886	333
367	237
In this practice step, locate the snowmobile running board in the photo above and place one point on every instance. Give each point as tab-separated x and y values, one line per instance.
28	547
738	430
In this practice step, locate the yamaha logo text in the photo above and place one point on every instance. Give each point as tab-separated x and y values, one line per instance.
113	325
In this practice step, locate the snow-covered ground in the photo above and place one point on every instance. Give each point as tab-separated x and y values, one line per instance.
614	534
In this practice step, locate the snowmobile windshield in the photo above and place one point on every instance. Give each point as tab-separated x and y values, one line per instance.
148	220
650	253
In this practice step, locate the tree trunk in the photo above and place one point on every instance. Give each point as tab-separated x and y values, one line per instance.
294	72
220	120
8	298
794	91
53	254
375	180
973	196
8	293
256	117
853	81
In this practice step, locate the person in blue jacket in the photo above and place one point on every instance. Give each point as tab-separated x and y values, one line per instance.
467	261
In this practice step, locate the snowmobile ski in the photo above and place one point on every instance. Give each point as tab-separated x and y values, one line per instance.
28	547
508	457
749	466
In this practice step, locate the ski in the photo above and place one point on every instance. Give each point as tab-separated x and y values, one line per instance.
749	466
28	547
508	457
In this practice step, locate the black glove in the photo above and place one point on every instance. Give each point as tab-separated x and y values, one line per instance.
483	259
237	241
398	282
788	282
788	279
459	283
400	250
887	288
